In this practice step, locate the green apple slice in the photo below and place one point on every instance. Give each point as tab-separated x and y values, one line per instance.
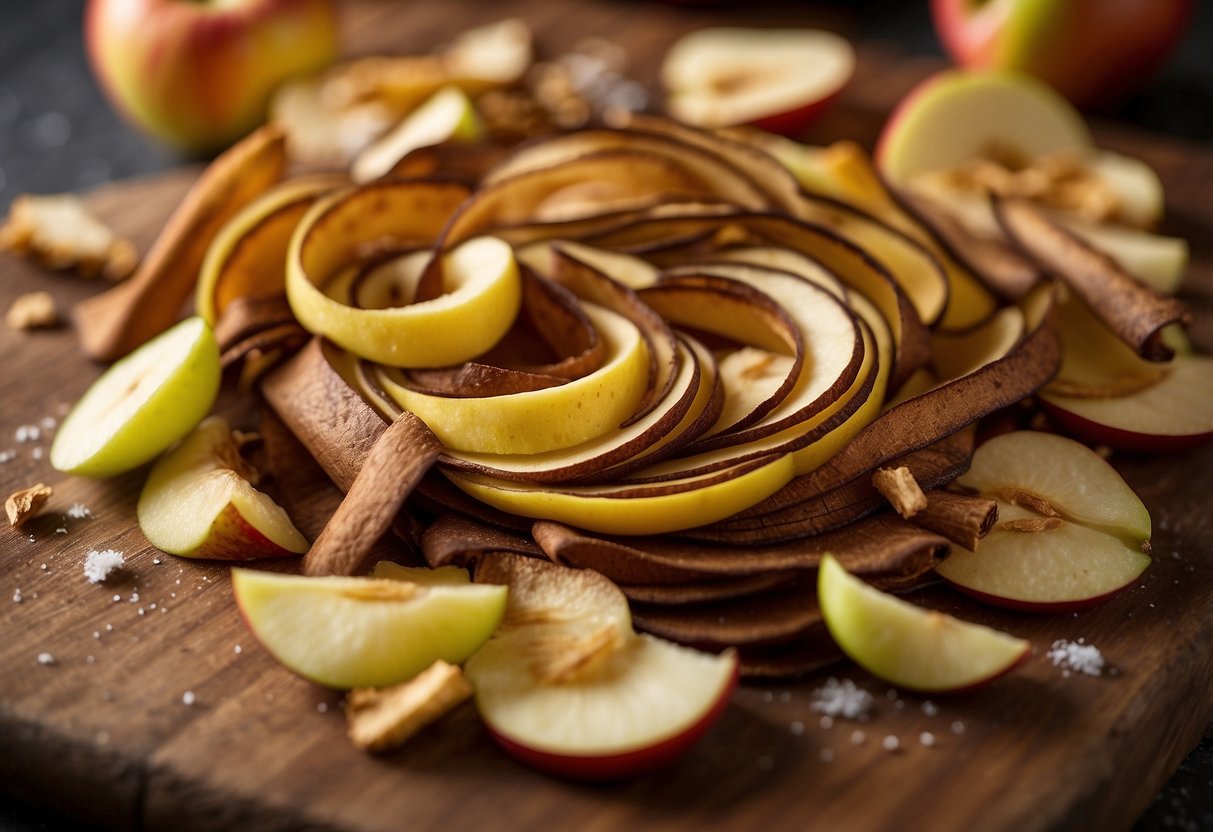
142	404
907	646
365	632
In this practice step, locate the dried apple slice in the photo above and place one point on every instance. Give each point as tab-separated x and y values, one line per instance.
541	420
1070	533
247	260
365	632
199	502
913	648
567	687
639	509
482	276
142	404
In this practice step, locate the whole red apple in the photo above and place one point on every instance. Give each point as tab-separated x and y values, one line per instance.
198	73
1095	52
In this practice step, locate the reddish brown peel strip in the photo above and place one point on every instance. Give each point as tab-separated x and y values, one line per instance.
112	324
1136	313
394	466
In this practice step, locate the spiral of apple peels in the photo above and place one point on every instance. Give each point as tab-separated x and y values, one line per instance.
653	336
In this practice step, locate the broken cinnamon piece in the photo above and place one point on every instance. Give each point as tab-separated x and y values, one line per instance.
396	463
113	323
384	718
1133	311
33	310
898	486
961	518
59	231
23	504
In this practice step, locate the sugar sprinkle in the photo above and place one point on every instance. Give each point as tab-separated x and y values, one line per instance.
79	511
842	697
1077	656
46	658
99	564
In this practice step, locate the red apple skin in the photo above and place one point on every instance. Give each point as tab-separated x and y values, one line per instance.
1054	608
620	766
198	73
232	537
1094	52
1120	439
794	122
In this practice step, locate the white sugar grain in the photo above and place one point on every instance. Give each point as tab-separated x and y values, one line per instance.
100	564
1077	656
842	698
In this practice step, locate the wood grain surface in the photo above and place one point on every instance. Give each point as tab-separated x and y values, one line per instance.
103	733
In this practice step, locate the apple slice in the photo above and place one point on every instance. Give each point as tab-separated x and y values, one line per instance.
364	632
142	404
1071	532
1173	414
567	686
907	646
448	116
779	80
198	502
955	117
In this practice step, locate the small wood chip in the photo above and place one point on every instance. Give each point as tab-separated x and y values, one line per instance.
899	487
26	503
384	718
33	310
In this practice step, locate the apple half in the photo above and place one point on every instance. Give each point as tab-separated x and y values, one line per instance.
1070	532
907	646
957	116
568	687
777	79
365	632
198	502
142	404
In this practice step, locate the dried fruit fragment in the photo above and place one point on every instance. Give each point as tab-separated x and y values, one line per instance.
31	311
60	232
24	503
384	718
899	487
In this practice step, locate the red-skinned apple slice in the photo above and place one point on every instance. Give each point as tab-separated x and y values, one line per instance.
913	648
198	502
779	80
567	686
1070	533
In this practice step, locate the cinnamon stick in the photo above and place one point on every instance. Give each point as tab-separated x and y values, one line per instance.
960	518
113	323
394	466
1132	310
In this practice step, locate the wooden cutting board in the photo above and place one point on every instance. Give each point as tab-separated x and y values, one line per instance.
103	733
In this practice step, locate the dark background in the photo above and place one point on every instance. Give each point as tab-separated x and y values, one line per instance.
58	134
